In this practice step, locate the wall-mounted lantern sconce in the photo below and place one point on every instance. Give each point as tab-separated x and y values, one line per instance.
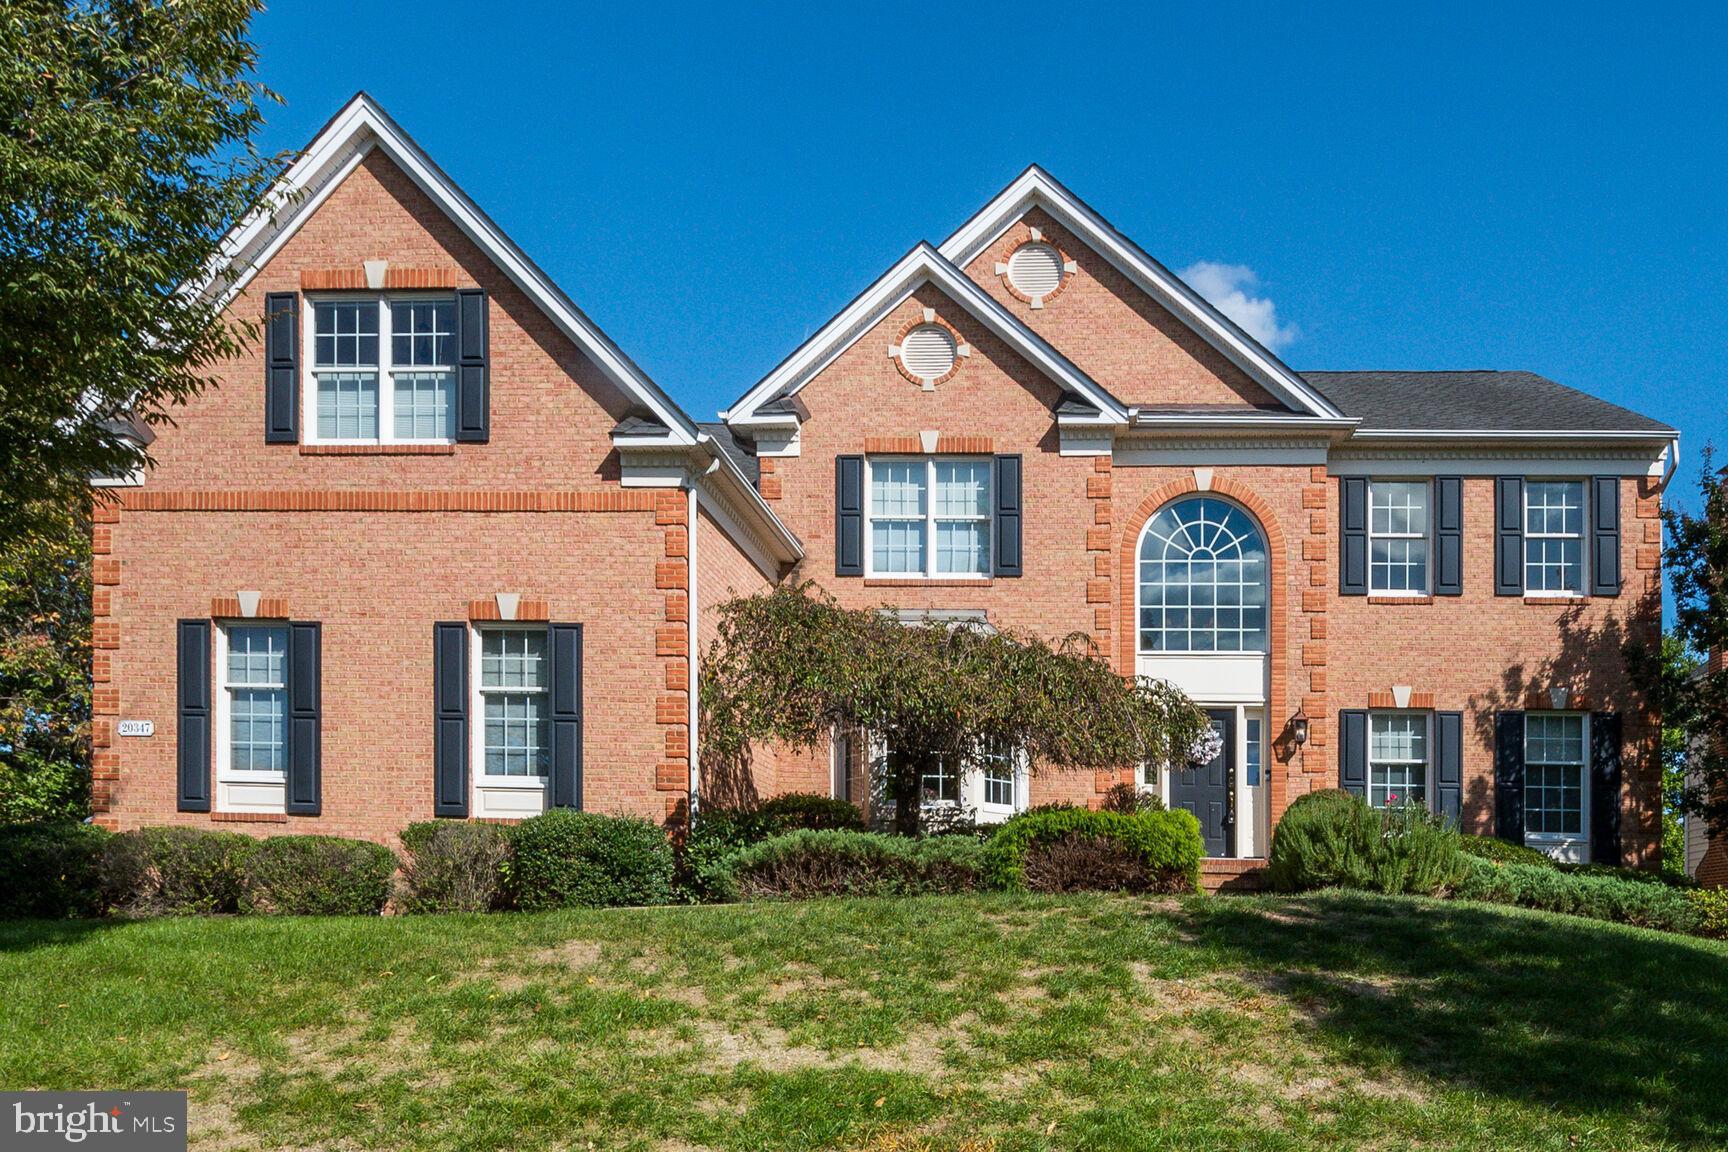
1299	727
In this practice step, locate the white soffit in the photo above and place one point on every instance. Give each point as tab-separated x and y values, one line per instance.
1037	188
923	265
335	152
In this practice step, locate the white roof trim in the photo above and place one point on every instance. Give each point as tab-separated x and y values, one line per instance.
1036	187
336	151
924	264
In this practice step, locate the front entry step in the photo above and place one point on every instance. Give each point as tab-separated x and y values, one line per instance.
1229	874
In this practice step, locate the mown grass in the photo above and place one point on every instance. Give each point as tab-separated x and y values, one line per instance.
1328	1021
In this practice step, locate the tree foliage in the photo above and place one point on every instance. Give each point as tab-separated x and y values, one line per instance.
793	666
45	668
1694	693
125	154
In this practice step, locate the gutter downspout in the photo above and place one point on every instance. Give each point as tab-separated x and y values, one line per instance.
692	663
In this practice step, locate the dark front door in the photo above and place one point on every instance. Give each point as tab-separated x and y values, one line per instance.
1204	789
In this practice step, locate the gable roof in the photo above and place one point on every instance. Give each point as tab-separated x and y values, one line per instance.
338	148
923	265
1037	188
1477	403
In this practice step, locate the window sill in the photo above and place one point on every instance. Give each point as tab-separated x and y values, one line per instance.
377	449
1562	598
928	582
511	783
1394	598
249	817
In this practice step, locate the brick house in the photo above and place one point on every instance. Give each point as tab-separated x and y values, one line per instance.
439	547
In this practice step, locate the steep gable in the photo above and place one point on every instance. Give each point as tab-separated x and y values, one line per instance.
1109	326
1037	191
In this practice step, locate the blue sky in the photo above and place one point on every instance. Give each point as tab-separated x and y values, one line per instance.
1448	187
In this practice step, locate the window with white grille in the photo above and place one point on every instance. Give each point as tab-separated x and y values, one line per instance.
1398	759
512	687
1554	537
1554	760
1398	537
383	371
929	517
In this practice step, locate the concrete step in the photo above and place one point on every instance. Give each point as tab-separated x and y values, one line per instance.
1221	874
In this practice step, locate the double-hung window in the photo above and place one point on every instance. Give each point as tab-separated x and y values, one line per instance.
929	517
513	706
255	692
1398	537
1398	759
1554	766
1554	537
383	370
996	772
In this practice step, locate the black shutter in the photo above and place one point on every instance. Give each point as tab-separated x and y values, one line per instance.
1007	550
1508	536
305	778
1509	776
450	719
849	516
1605	536
1605	788
281	367
1353	538
1448	536
564	643
1449	765
193	693
1353	752
473	378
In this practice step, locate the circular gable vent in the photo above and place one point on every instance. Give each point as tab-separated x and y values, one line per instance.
1035	270
928	352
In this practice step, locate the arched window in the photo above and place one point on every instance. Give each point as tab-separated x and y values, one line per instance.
1202	579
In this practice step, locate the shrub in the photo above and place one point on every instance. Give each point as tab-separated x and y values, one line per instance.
1633	875
318	876
1332	839
1078	862
1600	897
1167	844
795	810
1503	851
50	871
175	871
1710	906
1131	798
452	866
567	859
838	862
719	832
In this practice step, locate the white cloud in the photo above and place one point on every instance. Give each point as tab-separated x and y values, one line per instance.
1230	288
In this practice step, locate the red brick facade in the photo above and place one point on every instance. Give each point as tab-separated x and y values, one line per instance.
379	542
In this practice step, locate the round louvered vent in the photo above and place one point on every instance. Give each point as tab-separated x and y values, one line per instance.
1035	270
928	352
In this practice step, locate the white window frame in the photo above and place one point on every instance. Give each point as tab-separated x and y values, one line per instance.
1255	655
1582	536
1426	536
1427	762
1561	845
244	790
485	787
386	368
930	518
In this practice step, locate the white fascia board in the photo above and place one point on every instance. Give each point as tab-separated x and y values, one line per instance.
362	125
786	547
1574	436
924	264
1223	425
1035	187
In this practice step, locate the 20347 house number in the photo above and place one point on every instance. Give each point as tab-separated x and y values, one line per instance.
136	728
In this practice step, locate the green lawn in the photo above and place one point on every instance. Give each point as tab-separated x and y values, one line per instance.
1334	1021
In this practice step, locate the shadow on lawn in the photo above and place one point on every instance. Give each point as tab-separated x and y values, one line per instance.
1541	1010
23	935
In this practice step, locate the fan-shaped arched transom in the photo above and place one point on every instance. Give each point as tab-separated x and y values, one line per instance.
1202	579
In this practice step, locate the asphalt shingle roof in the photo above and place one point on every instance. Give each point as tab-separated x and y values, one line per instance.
1476	401
728	443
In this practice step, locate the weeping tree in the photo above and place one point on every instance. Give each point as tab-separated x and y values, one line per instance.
793	666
